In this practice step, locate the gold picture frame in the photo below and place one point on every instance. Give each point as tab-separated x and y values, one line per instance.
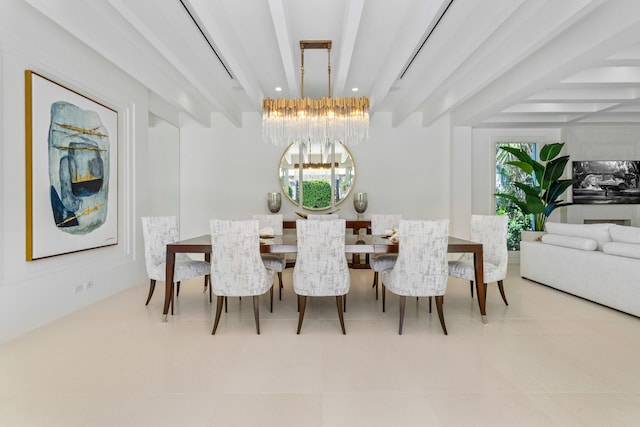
71	170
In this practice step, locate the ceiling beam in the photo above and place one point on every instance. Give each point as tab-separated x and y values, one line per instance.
413	29
450	50
585	41
561	93
558	107
283	35
216	25
170	42
349	34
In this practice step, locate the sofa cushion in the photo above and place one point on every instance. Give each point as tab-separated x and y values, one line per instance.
625	234
597	232
629	250
581	243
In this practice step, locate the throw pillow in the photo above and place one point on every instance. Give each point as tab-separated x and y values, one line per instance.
629	250
581	243
597	232
625	234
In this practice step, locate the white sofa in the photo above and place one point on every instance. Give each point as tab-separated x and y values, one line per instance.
598	262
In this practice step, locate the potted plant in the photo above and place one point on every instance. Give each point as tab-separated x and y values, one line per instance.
541	196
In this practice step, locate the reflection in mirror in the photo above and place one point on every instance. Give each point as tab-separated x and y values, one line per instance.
327	174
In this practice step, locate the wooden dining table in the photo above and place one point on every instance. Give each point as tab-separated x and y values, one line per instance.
354	244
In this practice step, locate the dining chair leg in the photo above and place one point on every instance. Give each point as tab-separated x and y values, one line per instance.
302	300
344	301
439	300
152	287
429	304
501	287
178	289
340	315
204	290
172	299
210	291
271	299
384	297
256	308
403	300
219	304
471	287
375	283
281	285
225	304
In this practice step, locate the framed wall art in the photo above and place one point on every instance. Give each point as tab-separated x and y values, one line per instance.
71	167
606	182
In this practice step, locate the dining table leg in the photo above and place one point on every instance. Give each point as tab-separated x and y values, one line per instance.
171	260
478	262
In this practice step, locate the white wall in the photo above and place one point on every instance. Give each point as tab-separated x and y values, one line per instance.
461	177
483	182
484	159
34	293
164	167
226	171
612	142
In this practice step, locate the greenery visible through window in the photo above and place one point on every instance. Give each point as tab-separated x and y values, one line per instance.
316	194
505	175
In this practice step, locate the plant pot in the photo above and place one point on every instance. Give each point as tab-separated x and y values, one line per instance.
531	236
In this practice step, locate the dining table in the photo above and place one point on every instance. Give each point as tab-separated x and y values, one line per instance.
356	243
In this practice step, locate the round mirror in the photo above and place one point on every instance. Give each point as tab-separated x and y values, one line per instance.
327	174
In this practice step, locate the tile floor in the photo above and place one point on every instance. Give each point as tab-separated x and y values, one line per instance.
548	359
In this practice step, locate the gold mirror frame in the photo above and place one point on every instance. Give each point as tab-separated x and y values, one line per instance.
343	169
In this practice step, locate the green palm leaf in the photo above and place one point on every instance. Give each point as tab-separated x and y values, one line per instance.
543	185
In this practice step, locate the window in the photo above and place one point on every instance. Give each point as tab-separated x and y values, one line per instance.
505	175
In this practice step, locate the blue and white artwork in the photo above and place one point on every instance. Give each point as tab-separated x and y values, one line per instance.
78	168
72	146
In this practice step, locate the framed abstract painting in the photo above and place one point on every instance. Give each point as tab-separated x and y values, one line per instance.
71	168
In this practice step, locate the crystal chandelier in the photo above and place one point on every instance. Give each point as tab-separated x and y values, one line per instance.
327	120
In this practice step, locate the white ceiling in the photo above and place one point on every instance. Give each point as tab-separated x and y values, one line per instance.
487	63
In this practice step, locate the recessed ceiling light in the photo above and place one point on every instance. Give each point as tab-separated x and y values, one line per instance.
354	89
278	89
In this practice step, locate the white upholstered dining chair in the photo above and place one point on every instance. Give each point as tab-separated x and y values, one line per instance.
491	231
380	262
321	266
421	267
237	270
273	262
157	232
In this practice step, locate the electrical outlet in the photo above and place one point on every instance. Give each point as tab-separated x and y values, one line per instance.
78	288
